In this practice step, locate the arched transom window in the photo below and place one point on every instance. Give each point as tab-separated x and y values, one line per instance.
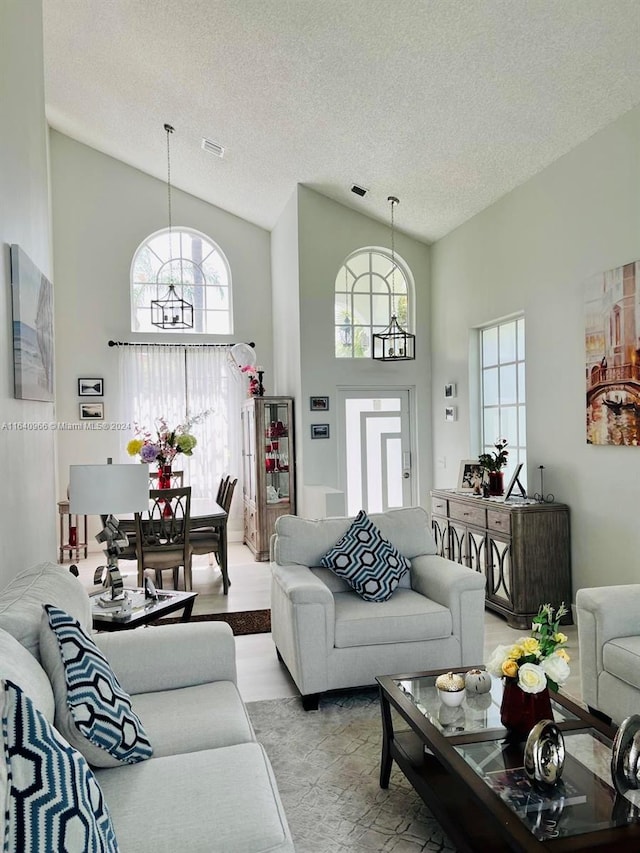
198	269
369	288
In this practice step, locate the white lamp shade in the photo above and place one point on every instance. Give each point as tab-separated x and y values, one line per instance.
108	489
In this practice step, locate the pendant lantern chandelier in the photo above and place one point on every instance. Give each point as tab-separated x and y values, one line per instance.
172	312
394	344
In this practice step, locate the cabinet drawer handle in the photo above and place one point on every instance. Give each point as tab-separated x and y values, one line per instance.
498	523
466	513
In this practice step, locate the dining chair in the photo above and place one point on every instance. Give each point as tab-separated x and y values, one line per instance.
209	540
163	535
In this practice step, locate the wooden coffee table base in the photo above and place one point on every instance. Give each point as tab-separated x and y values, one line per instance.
436	760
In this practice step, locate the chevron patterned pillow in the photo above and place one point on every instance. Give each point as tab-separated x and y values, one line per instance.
366	560
52	800
93	712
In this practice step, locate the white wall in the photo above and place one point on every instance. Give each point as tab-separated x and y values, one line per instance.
327	233
533	251
102	210
27	501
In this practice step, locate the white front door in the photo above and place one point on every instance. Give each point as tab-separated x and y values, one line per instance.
375	449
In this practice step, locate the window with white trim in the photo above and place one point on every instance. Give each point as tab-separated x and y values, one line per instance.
503	398
199	270
368	289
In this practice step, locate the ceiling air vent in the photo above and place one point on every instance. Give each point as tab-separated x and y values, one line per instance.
212	147
361	191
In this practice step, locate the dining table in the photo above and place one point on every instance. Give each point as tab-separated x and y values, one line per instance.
205	513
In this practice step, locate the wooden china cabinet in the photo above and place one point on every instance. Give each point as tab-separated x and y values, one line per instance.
268	464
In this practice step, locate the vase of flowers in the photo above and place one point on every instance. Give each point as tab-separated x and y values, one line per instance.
493	463
529	668
254	374
163	445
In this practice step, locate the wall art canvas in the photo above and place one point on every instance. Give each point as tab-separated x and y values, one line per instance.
612	343
32	300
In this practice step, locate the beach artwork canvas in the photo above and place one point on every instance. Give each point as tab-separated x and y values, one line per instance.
32	301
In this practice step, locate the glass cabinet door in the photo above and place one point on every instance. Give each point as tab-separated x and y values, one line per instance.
248	454
276	452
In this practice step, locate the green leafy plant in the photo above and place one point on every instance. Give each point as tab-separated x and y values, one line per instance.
497	459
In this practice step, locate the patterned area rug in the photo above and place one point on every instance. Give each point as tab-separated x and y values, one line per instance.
327	765
242	622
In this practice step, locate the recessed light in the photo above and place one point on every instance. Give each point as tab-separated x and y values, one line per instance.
212	147
358	190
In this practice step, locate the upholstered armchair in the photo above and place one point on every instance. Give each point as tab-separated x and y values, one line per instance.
330	638
609	642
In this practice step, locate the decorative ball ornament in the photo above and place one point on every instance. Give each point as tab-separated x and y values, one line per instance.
477	681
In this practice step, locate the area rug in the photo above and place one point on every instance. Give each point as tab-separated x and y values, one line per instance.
327	766
242	622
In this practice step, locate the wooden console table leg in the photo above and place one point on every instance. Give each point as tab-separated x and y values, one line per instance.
387	736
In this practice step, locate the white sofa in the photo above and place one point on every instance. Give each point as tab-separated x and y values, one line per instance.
330	638
209	785
609	642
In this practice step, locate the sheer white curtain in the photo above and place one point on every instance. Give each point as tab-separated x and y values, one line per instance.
174	382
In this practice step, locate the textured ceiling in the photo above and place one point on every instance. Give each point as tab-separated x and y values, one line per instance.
446	104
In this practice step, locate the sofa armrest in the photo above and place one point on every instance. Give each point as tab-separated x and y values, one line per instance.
603	613
459	589
168	657
302	624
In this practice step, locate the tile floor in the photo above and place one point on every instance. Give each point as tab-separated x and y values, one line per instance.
260	675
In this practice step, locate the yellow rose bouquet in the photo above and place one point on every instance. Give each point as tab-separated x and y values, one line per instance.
538	661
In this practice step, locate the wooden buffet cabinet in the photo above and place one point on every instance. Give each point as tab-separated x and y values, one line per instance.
268	463
523	550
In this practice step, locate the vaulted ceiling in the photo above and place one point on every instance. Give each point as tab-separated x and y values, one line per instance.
446	104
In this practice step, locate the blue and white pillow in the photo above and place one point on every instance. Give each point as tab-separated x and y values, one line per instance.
93	712
366	560
52	799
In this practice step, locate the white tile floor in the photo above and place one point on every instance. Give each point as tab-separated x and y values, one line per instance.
260	675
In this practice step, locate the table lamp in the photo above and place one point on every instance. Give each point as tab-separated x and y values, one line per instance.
108	490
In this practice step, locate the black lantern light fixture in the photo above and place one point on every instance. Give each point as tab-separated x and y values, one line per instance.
172	312
394	344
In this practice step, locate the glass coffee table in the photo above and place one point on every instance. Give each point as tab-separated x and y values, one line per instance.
143	610
471	775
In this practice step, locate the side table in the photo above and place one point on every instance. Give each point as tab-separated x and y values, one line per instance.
72	539
144	610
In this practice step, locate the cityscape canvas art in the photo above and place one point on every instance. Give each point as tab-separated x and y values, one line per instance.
32	300
612	343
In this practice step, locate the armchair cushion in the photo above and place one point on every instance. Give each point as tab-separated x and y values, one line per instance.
65	810
407	617
92	710
366	560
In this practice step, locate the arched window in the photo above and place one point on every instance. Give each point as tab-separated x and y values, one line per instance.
368	290
200	272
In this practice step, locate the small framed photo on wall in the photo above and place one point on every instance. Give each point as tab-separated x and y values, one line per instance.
91	411
450	391
319	430
450	413
90	387
319	404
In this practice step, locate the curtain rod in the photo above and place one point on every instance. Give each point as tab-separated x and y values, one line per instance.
186	346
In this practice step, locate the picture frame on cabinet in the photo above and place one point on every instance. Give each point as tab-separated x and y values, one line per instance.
90	387
91	411
470	476
319	404
319	430
515	481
